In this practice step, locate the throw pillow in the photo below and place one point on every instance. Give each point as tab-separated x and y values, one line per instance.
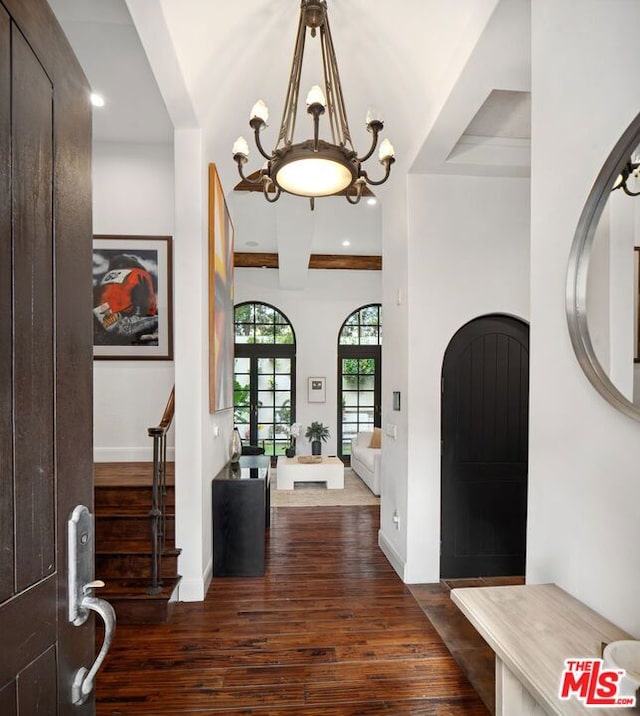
376	438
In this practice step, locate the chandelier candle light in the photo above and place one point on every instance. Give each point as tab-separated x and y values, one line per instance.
315	167
631	170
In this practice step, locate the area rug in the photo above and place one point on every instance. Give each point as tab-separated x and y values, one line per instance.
315	494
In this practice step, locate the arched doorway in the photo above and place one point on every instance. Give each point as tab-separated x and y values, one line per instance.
264	376
359	375
485	431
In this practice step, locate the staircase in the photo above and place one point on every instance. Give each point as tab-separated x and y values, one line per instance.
122	493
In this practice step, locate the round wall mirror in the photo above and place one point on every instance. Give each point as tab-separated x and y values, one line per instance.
603	280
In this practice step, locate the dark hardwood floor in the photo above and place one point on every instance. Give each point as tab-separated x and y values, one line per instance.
330	630
474	656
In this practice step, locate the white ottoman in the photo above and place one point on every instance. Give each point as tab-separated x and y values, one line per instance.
289	471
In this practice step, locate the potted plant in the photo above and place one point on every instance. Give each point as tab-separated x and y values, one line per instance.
317	433
294	433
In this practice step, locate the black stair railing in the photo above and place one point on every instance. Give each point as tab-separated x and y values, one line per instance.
159	491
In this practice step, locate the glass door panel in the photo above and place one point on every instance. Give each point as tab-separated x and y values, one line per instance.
242	397
264	389
359	383
275	388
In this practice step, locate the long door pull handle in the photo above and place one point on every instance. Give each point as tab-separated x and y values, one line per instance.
80	546
84	678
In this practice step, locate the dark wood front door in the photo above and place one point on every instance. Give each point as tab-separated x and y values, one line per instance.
45	356
485	428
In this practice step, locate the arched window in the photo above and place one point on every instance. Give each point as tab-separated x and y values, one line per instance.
264	378
359	371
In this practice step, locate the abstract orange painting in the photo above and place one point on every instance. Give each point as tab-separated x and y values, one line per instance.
221	332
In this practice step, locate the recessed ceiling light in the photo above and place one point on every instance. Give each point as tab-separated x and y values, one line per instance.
346	243
97	100
372	201
251	243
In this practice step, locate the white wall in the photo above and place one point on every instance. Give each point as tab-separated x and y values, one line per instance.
468	255
203	440
392	536
584	491
317	314
132	195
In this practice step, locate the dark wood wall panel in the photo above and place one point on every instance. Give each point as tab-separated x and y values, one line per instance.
8	700
37	686
32	172
28	636
6	390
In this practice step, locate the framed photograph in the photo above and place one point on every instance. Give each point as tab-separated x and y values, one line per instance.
316	390
221	310
132	298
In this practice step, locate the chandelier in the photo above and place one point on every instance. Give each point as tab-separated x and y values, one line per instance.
631	170
315	167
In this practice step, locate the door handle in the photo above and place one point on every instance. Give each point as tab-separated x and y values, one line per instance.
80	541
84	678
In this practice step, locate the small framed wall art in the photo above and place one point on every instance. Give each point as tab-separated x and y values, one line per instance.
316	388
132	306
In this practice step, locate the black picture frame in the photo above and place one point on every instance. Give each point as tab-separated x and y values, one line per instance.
132	297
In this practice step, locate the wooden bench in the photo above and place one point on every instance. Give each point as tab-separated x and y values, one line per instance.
532	629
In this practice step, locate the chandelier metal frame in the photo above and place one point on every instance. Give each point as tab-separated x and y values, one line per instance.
340	151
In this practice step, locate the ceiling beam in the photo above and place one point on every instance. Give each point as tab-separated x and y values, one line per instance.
316	261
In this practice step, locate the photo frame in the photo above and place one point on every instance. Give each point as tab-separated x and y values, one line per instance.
316	390
132	297
221	308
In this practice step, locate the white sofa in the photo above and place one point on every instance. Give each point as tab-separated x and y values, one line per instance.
366	461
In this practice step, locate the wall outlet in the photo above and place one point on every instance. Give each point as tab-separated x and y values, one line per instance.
216	431
392	430
396	519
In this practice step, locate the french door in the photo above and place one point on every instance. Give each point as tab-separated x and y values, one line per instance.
264	395
359	393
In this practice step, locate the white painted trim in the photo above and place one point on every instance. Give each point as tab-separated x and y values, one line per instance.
208	576
395	560
128	454
191	590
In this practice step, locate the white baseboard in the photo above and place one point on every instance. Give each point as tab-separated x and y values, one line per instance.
191	590
195	590
395	560
128	454
207	577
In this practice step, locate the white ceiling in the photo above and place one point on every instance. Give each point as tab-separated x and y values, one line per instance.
505	114
450	79
107	45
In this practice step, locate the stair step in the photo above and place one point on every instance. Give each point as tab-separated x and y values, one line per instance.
122	502
134	605
131	564
131	546
118	495
130	510
128	473
115	526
